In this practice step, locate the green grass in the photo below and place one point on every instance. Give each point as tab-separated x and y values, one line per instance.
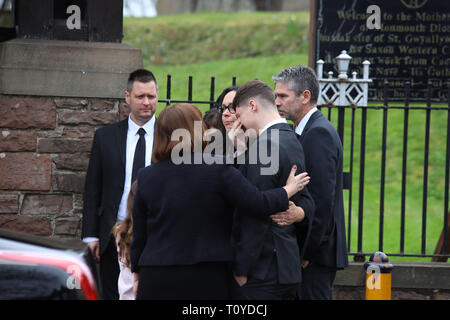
244	69
193	38
414	180
258	45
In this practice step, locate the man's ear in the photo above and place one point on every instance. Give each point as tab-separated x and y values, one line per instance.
253	105
127	97
306	97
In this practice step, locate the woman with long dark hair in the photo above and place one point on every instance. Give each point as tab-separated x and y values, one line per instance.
228	118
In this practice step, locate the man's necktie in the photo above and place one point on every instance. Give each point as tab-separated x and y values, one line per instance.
139	155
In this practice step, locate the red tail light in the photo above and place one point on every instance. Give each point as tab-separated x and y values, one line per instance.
79	274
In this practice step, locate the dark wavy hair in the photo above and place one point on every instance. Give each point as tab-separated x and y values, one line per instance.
218	103
213	119
219	100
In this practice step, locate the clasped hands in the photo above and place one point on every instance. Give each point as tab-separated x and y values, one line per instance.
291	215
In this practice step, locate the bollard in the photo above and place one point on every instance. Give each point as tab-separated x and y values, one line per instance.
378	277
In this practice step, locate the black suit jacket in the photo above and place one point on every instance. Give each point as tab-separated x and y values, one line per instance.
324	162
182	214
257	241
105	182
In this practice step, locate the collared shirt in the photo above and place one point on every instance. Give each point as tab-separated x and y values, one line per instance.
301	126
274	122
132	139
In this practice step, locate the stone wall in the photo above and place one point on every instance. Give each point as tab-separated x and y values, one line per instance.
53	95
45	144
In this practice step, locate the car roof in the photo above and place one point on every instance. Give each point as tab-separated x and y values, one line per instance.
51	243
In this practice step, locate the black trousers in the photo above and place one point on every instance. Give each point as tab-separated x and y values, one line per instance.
109	272
264	292
317	282
267	289
201	281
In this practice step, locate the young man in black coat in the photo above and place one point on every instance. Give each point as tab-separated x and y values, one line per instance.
297	92
267	256
111	171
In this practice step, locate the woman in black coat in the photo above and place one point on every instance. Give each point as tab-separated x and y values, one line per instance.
182	221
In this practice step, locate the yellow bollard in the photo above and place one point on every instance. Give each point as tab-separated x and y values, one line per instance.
378	277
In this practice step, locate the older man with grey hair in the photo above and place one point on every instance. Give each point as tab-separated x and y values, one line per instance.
324	251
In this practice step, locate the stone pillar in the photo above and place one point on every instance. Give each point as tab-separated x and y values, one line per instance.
53	96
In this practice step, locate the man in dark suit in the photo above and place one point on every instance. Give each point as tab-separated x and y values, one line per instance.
297	92
267	257
118	151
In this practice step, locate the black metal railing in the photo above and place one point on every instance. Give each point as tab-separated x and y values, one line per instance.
443	111
354	175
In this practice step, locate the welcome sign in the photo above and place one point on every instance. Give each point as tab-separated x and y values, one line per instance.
404	40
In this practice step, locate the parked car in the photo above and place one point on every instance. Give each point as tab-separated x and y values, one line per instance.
33	267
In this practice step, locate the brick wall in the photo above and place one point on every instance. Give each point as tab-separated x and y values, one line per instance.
44	154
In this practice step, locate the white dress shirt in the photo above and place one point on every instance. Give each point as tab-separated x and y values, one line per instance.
132	140
301	126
